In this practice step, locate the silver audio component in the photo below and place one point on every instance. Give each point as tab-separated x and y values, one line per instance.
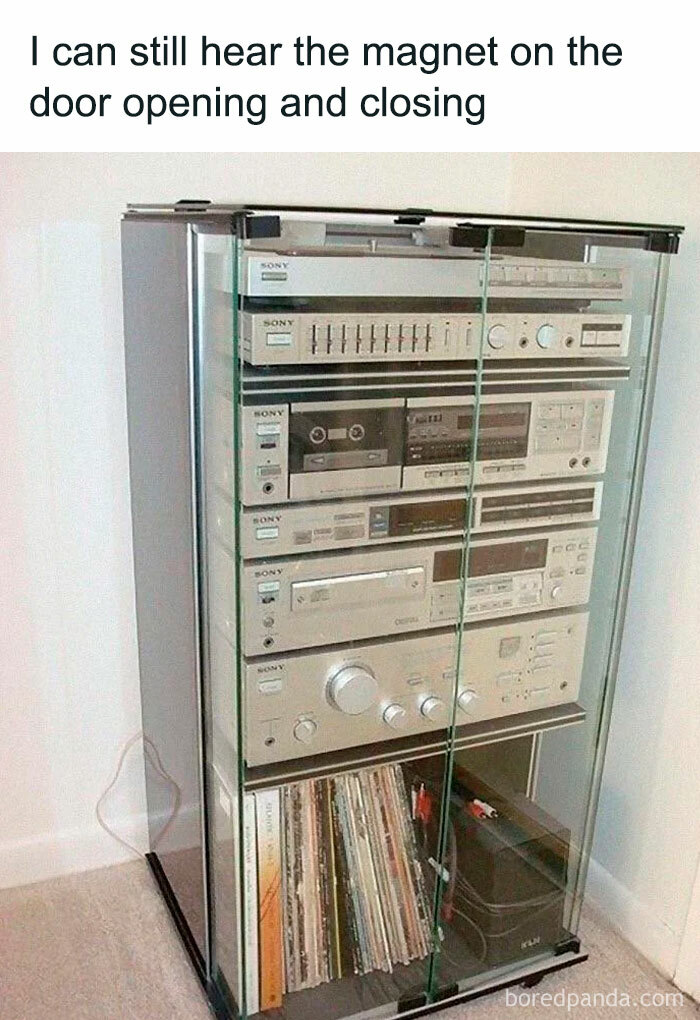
272	275
317	527
289	338
336	449
315	600
521	437
552	335
327	700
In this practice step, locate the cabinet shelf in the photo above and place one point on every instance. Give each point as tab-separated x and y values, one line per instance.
400	381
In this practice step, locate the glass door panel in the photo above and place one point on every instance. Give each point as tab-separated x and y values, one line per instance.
352	500
570	792
565	362
215	262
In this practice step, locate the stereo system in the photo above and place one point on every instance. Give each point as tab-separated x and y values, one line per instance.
284	338
344	448
312	600
397	574
300	704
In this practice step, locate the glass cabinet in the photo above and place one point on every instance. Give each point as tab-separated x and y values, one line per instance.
385	474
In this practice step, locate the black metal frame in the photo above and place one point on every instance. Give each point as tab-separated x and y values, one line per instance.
218	1006
659	237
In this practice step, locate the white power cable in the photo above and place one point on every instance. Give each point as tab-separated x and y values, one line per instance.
151	754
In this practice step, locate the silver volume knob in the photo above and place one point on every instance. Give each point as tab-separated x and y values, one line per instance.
353	689
466	699
395	716
497	336
546	335
434	709
305	730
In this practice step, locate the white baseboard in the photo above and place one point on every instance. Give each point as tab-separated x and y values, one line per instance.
53	854
687	975
635	921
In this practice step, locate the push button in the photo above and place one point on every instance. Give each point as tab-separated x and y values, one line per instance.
270	686
508	647
506	679
264	534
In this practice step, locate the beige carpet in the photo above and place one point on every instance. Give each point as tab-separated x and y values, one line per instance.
101	946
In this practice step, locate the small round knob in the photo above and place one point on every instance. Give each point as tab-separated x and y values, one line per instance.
556	591
317	434
546	335
356	432
434	709
304	731
353	689
466	698
497	336
395	716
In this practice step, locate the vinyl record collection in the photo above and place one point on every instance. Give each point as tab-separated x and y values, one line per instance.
334	886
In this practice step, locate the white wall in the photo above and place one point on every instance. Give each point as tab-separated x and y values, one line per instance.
67	647
648	830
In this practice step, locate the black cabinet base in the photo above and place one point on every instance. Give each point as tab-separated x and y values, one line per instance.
220	1009
569	953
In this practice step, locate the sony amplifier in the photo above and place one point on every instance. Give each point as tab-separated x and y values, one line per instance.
292	337
333	698
327	599
338	449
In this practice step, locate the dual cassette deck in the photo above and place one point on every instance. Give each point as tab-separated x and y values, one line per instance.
302	451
